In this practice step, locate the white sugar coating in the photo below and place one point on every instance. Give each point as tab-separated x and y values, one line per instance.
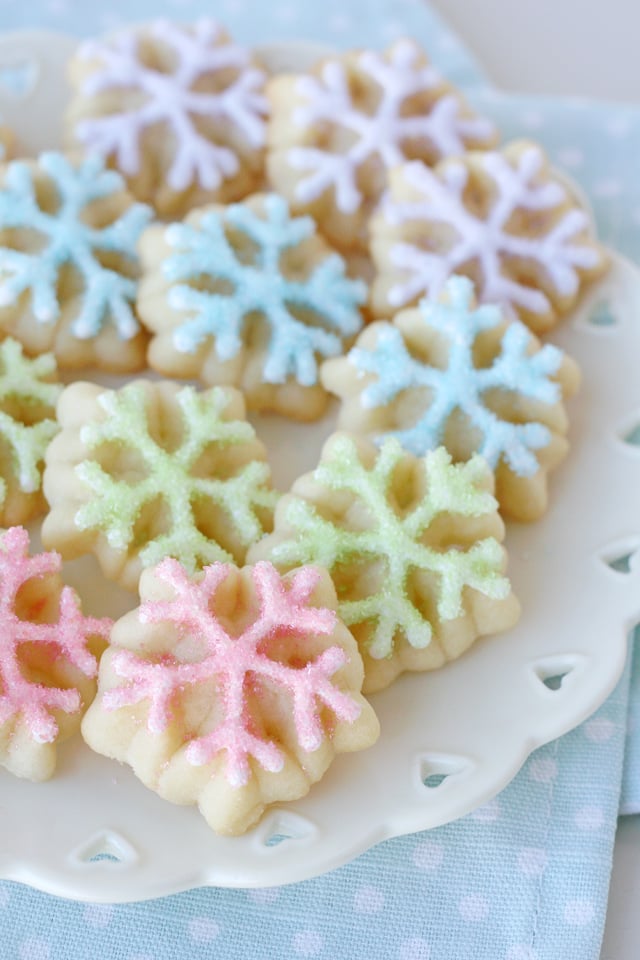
560	252
173	99
328	100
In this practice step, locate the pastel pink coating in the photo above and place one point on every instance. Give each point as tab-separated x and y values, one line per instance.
233	661
33	702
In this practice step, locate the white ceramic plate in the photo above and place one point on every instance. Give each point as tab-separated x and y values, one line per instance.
95	833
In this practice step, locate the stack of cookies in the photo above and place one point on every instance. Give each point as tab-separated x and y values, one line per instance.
354	232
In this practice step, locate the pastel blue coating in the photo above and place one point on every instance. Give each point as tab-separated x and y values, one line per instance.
461	385
307	318
69	241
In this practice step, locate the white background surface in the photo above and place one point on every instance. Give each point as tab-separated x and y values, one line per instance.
574	47
584	48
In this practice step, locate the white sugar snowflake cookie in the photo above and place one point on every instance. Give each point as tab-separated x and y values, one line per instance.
69	263
454	374
178	110
336	132
413	546
251	297
48	658
233	689
155	470
503	218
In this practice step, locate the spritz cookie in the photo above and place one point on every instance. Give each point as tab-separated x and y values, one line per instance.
178	110
233	689
452	373
249	296
28	394
48	658
68	262
413	548
7	142
154	470
336	132
503	218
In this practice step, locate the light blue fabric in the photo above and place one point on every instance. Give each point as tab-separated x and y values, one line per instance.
524	878
338	23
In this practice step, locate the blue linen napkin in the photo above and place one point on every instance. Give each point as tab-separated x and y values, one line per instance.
523	878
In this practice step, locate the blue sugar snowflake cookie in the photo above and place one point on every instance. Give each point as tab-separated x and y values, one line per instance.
249	296
455	374
68	261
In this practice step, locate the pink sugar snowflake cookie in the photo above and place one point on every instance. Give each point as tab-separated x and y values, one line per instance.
233	688
48	657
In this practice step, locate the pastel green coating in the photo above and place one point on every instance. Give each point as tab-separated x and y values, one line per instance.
23	379
396	539
117	503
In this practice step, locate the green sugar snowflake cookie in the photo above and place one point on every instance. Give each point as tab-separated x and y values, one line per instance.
413	547
28	394
155	470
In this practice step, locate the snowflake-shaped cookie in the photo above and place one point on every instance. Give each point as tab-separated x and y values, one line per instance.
246	295
336	132
178	110
505	219
28	395
155	470
48	658
412	546
233	689
68	261
454	374
7	141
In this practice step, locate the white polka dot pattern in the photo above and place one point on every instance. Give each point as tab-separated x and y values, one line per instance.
543	769
202	929
428	855
578	913
532	860
307	943
415	949
368	900
474	908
